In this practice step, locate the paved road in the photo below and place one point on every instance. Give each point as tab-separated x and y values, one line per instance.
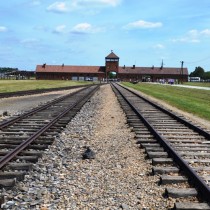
195	87
186	86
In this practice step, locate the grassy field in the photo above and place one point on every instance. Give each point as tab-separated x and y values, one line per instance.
201	84
19	85
194	101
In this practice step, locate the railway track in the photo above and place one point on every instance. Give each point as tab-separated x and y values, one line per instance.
179	151
24	138
39	91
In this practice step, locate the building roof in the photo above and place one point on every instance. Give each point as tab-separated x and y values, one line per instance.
112	55
101	69
70	69
152	70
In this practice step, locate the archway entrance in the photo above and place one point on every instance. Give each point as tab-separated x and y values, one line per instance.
112	76
146	78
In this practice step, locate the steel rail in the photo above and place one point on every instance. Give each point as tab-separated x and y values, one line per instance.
4	160
24	115
183	121
201	186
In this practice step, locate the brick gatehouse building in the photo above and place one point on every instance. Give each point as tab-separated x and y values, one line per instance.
100	73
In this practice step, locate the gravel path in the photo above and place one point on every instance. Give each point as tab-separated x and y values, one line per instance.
194	87
118	178
15	105
185	86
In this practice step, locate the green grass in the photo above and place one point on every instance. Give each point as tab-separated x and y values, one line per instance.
194	101
201	84
19	85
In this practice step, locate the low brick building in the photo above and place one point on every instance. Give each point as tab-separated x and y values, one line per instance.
101	73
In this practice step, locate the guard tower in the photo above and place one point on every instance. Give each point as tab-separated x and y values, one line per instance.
112	63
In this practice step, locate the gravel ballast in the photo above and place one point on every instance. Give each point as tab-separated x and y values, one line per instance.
116	177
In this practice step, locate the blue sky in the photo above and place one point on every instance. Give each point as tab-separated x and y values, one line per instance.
83	32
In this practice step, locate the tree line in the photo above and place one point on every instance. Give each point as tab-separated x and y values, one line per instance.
7	69
200	72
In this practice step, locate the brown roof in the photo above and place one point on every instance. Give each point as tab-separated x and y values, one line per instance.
101	69
152	70
112	55
70	69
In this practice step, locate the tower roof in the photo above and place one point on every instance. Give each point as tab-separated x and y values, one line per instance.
112	55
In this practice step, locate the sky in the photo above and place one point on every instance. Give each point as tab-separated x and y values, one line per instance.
83	32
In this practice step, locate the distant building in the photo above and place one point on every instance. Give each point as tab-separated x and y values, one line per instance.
194	79
101	73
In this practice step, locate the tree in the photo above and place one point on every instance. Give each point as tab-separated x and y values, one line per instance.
112	75
7	69
199	72
206	75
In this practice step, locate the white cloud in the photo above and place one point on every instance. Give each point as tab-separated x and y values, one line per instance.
142	24
205	32
186	39
81	28
67	6
59	7
193	36
26	41
159	46
3	29
96	3
60	29
84	28
113	3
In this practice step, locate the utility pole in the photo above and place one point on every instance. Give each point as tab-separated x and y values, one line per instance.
182	79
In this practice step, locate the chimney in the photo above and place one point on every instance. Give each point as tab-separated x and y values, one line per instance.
161	65
153	67
63	65
134	66
124	67
44	65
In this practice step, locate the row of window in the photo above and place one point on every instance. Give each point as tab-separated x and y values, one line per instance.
112	59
